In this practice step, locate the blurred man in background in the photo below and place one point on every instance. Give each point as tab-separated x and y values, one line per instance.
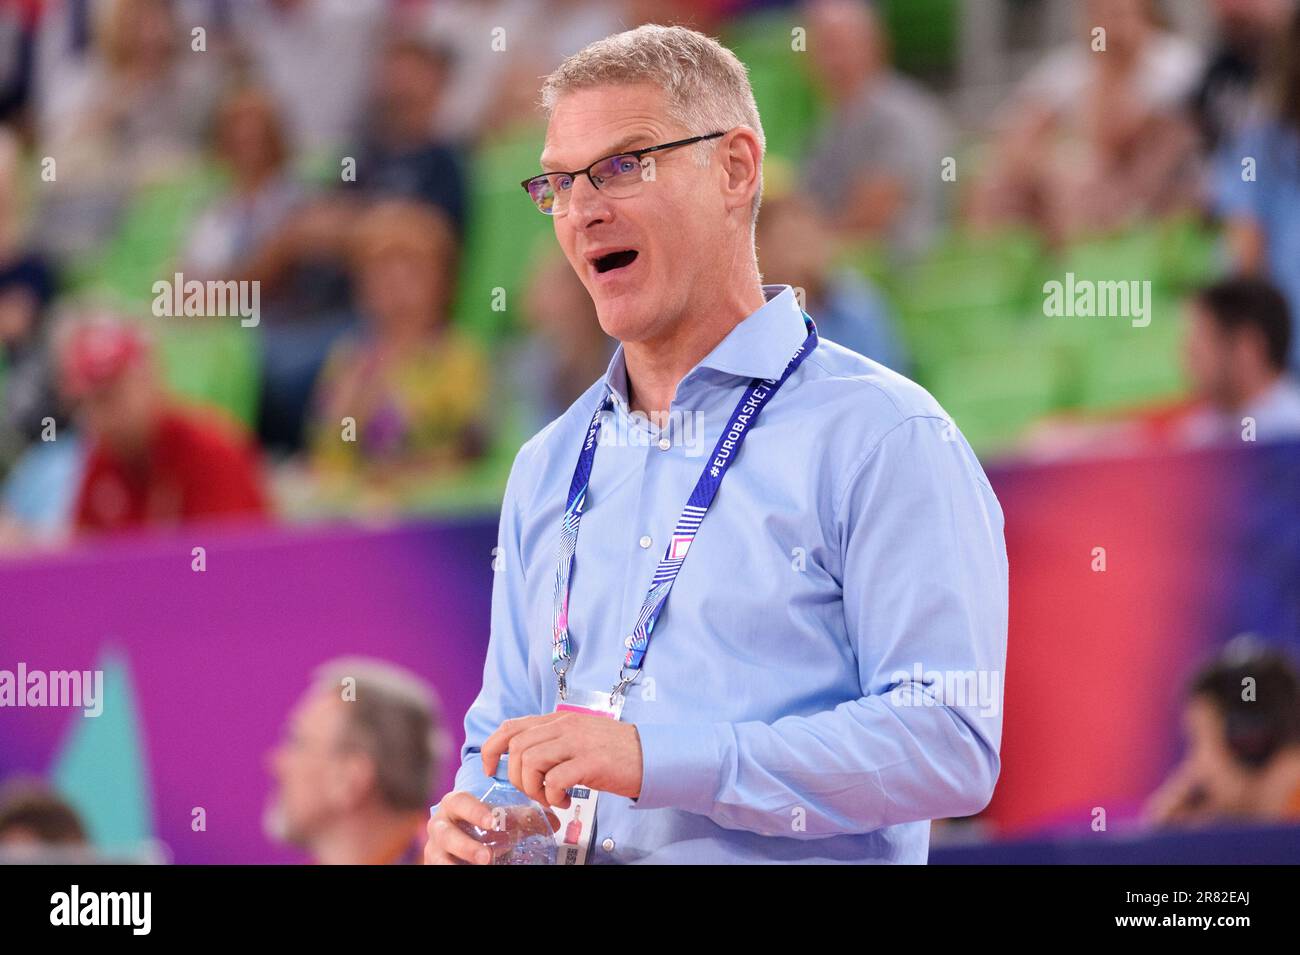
355	771
1242	721
873	171
1247	32
795	248
34	820
565	348
150	462
1257	180
400	155
1239	334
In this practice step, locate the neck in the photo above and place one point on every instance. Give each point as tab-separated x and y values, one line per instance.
656	366
374	835
1252	390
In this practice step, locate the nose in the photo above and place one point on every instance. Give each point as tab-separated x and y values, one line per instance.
587	204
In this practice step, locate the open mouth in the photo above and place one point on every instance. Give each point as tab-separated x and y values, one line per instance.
615	260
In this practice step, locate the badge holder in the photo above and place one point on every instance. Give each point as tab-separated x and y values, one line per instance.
573	837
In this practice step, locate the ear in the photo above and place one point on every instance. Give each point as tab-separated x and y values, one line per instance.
354	779
742	160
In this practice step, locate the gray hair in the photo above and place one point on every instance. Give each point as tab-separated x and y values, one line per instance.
707	87
395	718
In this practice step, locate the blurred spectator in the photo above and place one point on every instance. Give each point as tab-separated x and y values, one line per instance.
40	493
315	55
355	772
248	140
17	50
26	288
42	459
501	47
1239	333
873	170
133	115
400	155
304	264
1257	184
416	388
1242	720
1246	32
149	462
566	349
35	820
794	248
1095	139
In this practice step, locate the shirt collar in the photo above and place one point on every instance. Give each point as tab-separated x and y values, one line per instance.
760	346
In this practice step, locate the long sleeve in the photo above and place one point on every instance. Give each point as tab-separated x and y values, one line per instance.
924	575
506	691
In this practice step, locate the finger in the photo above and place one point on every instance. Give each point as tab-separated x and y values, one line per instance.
564	776
499	741
433	852
535	762
445	834
524	743
456	845
460	805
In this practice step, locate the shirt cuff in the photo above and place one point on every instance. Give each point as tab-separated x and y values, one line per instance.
680	766
470	778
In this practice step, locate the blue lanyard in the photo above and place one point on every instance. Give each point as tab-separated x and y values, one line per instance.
743	418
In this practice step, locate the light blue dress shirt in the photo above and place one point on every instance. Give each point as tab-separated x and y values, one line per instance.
826	675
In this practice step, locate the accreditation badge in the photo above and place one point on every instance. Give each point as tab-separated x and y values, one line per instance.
577	821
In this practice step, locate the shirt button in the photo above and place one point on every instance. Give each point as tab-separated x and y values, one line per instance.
664	444
645	542
608	844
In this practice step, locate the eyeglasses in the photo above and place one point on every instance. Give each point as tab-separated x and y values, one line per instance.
619	176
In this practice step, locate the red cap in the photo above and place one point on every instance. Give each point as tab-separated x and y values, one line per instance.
97	350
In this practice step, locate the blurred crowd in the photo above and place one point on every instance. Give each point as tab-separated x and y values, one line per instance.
361	751
348	170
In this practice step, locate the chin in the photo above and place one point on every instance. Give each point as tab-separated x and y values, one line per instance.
277	826
619	321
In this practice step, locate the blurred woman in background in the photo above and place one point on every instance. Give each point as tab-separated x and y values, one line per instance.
402	404
1097	135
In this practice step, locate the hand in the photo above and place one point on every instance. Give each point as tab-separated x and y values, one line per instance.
551	753
449	844
1180	800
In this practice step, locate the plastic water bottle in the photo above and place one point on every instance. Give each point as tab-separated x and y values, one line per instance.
521	833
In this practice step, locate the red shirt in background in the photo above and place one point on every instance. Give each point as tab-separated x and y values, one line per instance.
197	467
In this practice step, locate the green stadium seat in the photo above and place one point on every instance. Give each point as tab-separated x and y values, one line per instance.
994	395
502	231
212	361
148	241
783	89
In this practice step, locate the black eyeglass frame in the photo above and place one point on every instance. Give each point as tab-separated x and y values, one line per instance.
634	153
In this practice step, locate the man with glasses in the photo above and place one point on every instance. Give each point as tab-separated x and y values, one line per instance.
831	600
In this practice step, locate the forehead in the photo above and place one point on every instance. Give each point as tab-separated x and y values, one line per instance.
587	124
318	712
